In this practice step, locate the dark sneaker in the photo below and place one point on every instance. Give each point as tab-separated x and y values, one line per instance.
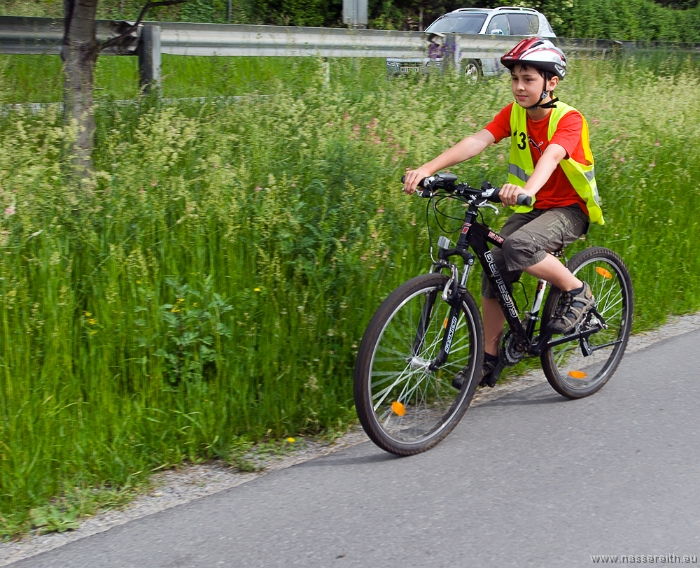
489	375
571	310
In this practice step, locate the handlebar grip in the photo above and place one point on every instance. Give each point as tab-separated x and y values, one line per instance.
524	200
420	183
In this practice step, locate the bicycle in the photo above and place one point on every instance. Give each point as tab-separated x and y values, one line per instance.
430	328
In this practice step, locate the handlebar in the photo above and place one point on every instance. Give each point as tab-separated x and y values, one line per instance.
448	183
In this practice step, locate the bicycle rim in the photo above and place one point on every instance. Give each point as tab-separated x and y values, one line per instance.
404	406
568	370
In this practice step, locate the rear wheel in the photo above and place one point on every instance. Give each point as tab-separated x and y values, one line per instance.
403	406
572	373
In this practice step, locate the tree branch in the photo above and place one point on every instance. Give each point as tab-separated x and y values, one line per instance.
131	29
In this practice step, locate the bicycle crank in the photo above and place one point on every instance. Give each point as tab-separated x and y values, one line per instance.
509	353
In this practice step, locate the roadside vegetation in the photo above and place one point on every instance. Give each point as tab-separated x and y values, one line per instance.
654	20
209	286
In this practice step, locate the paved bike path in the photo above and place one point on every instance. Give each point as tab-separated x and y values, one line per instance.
529	479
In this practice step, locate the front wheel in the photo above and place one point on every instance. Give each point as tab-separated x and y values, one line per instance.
404	406
572	373
472	71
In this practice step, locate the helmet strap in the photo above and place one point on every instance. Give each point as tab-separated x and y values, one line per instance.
550	104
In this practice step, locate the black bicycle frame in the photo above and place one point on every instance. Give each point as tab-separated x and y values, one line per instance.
477	236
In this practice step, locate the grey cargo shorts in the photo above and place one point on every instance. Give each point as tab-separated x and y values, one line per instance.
530	236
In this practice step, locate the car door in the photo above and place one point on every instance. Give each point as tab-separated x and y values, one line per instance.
498	25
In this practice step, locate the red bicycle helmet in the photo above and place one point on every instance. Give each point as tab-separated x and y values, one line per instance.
539	53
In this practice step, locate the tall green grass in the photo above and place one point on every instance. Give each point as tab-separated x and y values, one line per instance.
212	282
38	78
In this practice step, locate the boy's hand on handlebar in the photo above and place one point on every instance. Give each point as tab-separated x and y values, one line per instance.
509	194
413	178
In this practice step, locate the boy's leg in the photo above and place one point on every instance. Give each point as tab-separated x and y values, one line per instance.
554	272
494	320
491	309
531	236
527	250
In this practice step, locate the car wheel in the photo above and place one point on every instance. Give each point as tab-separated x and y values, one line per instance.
472	71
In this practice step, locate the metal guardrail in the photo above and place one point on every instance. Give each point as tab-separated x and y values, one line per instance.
271	41
44	35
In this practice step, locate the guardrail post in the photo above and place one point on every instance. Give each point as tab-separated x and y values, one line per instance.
326	66
149	58
355	13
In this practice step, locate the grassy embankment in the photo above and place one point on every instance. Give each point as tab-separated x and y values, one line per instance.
212	283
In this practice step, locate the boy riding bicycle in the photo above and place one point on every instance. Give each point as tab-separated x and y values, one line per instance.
551	161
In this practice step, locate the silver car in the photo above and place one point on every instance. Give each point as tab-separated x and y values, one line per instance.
504	21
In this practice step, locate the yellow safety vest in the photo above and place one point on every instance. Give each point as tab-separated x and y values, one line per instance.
581	176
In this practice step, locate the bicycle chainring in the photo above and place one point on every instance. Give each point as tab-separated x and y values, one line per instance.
509	353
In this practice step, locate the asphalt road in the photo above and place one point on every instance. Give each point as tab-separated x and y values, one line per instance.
530	479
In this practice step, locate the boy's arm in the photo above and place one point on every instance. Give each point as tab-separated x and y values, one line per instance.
464	150
543	170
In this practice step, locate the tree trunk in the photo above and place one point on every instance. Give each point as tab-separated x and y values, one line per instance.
79	54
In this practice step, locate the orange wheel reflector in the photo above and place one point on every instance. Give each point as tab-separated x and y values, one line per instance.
398	408
578	374
604	273
444	324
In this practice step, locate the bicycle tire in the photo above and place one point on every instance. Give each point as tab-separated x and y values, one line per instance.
568	371
405	408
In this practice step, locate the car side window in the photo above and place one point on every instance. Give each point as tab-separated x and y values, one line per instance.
523	24
497	23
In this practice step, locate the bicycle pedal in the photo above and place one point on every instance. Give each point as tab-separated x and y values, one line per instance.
458	380
586	350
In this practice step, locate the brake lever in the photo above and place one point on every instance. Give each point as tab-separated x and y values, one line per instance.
485	203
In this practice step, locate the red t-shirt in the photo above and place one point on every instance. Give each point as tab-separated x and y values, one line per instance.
557	190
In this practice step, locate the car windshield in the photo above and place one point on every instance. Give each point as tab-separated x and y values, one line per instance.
458	23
